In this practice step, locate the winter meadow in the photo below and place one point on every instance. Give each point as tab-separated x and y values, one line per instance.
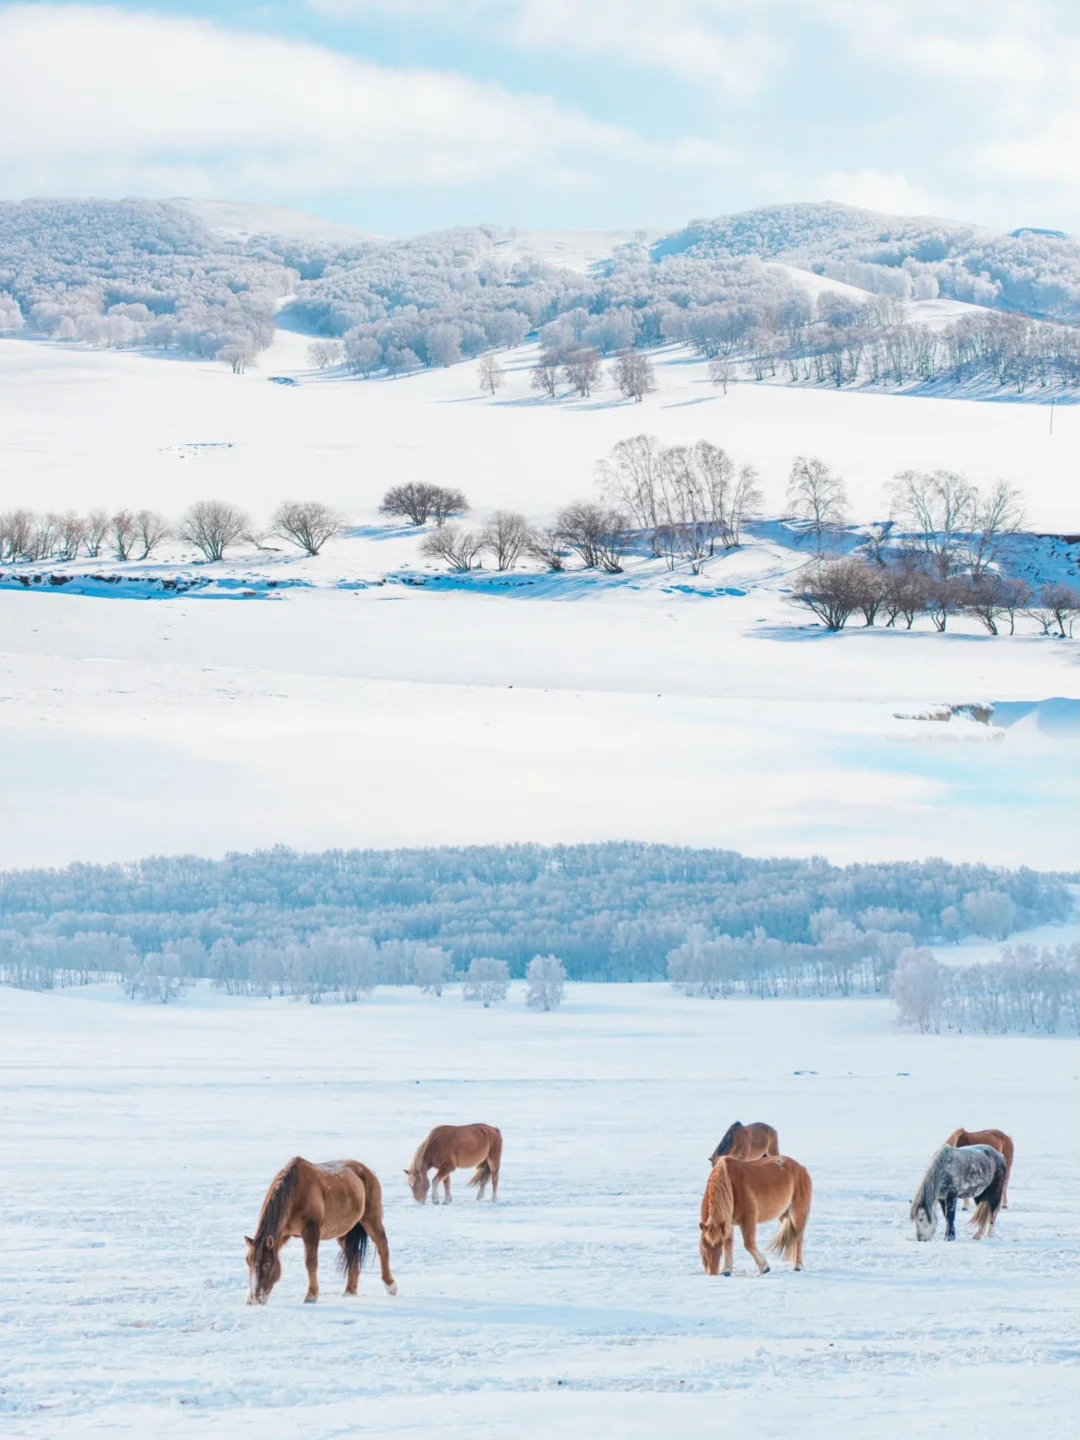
584	716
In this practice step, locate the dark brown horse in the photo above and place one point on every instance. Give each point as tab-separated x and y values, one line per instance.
997	1140
747	1142
456	1147
746	1192
341	1200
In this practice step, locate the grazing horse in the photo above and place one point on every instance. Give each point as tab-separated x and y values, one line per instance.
953	1173
456	1147
746	1192
997	1140
747	1142
341	1200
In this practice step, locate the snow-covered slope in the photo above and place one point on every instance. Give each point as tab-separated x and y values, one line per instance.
236	221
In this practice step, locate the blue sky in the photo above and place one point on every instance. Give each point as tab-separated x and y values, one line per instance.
404	115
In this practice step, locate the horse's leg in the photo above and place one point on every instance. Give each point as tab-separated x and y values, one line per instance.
749	1240
729	1253
948	1206
446	1186
311	1260
377	1234
494	1181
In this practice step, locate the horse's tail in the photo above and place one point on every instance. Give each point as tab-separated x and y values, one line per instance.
793	1219
718	1206
353	1249
988	1203
483	1173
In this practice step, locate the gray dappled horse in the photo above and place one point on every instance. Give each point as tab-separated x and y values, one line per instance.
953	1174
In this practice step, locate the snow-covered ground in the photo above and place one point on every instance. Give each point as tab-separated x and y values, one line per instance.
136	1144
80	427
348	707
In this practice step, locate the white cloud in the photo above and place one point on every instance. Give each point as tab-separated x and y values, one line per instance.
892	193
705	41
96	99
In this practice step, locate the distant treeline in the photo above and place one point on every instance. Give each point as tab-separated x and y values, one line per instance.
272	920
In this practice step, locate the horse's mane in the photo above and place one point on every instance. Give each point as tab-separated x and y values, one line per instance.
719	1206
926	1193
729	1138
418	1158
275	1206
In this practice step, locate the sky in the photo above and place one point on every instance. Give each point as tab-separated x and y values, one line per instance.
400	116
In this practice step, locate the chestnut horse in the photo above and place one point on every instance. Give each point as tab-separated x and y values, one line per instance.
997	1140
746	1192
747	1142
456	1147
340	1200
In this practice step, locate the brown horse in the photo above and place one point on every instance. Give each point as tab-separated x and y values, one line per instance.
456	1147
747	1142
997	1140
746	1192
341	1200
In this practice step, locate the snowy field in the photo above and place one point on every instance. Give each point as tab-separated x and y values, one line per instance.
651	705
137	1143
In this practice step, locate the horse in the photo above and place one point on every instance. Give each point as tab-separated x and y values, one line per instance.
456	1147
954	1172
746	1192
747	1142
997	1140
340	1200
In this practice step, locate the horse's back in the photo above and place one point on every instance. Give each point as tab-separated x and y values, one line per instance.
767	1185
462	1144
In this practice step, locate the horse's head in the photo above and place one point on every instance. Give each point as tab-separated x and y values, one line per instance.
924	1220
419	1183
264	1268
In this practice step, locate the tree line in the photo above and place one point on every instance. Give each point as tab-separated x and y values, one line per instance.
609	912
1026	990
213	527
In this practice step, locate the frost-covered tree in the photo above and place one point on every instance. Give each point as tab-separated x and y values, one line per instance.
917	989
545	980
990	913
491	373
486	981
633	374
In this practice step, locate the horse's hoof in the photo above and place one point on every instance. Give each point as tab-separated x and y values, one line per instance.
766	1270
726	1274
391	1289
310	1299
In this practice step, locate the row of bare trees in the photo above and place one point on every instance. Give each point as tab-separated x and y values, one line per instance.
599	535
212	526
578	367
836	590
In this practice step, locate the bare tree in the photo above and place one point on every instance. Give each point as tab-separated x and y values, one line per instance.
447	503
212	526
16	534
492	374
1058	605
599	535
633	374
97	527
817	496
412	501
548	545
744	505
124	533
632	479
943	596
990	597
71	530
505	536
721	372
832	590
151	529
937	509
545	979
904	593
461	549
545	374
996	518
581	370
307	523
